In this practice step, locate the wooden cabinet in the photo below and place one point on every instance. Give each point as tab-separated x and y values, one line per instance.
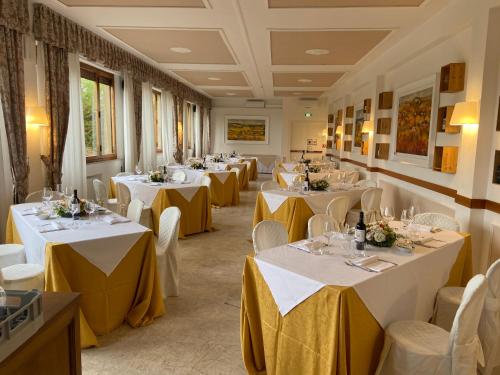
452	78
385	100
445	159
384	125
443	121
55	347
382	151
349	111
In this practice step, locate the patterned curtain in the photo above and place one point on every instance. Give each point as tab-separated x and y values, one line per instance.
178	136
14	22
138	115
57	104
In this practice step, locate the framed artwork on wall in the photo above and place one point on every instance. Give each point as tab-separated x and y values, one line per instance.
252	130
358	126
415	120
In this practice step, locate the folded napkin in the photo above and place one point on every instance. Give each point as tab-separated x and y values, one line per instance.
372	263
308	245
31	211
51	227
115	219
419	227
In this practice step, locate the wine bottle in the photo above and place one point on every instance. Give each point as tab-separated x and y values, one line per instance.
302	158
306	181
360	233
75	205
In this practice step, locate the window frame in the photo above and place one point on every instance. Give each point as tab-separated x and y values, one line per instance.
100	76
157	121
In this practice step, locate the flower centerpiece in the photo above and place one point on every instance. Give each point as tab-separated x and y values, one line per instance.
380	235
217	159
61	208
314	169
195	164
156	176
319	185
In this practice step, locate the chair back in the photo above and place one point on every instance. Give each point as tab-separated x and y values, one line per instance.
179	176
34	197
134	210
169	229
337	209
439	220
100	191
123	174
321	223
268	234
269	185
366	184
206	181
235	170
275	173
370	204
122	198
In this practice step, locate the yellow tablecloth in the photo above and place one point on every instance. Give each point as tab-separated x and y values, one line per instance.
243	177
253	174
131	293
224	194
331	332
196	215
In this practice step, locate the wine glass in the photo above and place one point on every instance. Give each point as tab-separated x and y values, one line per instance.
328	232
138	170
388	214
411	212
405	217
47	195
89	209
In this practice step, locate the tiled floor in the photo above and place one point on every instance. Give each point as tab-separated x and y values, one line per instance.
199	333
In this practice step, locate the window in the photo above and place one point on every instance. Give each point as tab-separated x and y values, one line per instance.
157	119
98	113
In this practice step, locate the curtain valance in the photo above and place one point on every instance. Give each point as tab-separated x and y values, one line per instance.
14	15
52	28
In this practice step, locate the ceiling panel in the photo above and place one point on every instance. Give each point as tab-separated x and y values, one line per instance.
205	46
332	47
342	3
211	78
305	79
230	93
298	94
135	3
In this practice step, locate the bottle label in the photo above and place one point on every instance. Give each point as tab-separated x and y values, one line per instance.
77	206
360	235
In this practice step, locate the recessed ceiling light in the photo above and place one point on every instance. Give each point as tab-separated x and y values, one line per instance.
214	79
317	51
304	80
230	94
180	50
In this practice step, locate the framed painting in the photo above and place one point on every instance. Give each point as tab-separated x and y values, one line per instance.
358	126
246	129
414	117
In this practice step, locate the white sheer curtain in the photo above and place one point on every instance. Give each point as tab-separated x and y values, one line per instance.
129	137
74	167
186	119
6	187
148	147
197	132
206	131
167	126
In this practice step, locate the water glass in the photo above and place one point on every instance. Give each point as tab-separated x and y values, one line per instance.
388	214
46	195
405	219
90	209
138	170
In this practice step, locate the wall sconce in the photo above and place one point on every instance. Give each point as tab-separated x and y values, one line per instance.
339	129
465	113
367	127
36	116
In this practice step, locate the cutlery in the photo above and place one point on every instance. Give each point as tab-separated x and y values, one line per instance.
355	265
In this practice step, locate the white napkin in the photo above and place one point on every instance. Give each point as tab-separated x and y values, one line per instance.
51	227
115	219
307	245
31	211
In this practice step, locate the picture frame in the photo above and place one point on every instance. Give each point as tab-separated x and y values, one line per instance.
250	130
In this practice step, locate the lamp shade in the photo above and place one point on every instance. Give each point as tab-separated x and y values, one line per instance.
36	116
338	130
465	113
367	127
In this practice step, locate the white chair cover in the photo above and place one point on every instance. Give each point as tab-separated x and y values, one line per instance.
414	347
167	252
337	209
100	191
34	197
269	185
237	171
317	223
134	211
123	174
370	204
179	176
11	254
22	277
366	184
206	181
439	220
268	234
123	198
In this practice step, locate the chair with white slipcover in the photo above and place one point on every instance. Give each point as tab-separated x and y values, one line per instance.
337	209
237	171
447	302
15	273
319	224
275	172
269	185
366	184
11	254
435	219
124	199
179	176
417	347
34	197
101	196
268	234
167	253
207	181
134	210
370	205
124	174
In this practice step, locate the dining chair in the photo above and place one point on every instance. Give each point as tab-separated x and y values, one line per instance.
269	185
435	219
268	234
337	209
123	174
237	171
134	210
321	223
179	176
370	205
366	184
101	195
417	347
34	197
447	303
11	254
167	253
15	273
123	198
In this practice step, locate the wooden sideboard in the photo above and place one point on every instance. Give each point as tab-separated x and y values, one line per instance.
55	348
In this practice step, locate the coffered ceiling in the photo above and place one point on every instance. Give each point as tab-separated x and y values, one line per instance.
253	48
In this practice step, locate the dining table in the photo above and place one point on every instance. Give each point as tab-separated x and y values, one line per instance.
252	161
293	209
303	313
192	199
286	179
243	177
108	259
